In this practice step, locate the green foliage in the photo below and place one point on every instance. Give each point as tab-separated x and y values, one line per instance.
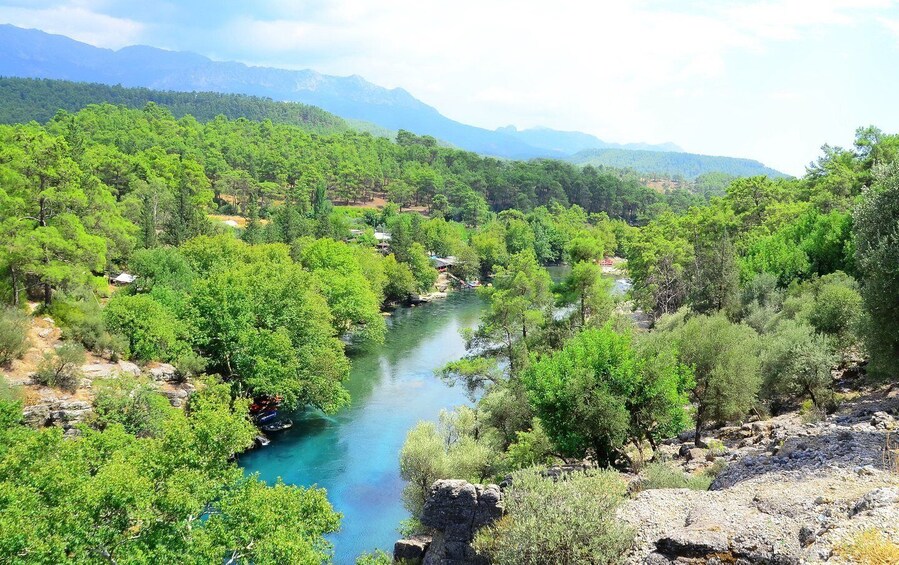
24	100
532	448
13	334
572	520
689	165
61	368
796	363
590	292
452	449
135	405
176	496
355	305
597	394
664	475
377	557
153	333
400	282
876	233
724	359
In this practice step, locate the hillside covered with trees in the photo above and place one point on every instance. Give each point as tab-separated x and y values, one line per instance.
754	296
688	165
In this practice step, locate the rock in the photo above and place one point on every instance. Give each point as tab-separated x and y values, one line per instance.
164	372
807	536
883	421
696	454
100	370
36	416
455	510
129	368
411	550
875	499
45	333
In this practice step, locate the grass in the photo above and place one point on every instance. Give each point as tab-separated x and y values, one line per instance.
869	547
663	475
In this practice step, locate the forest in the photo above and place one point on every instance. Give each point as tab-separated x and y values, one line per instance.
753	296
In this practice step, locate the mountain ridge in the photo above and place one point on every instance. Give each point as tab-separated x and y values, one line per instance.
36	54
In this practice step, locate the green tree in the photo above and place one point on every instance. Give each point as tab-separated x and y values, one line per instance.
876	231
154	333
725	363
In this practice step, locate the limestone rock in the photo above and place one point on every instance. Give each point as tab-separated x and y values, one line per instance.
37	416
129	368
456	510
411	550
875	499
164	372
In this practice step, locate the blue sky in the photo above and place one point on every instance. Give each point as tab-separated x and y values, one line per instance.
768	80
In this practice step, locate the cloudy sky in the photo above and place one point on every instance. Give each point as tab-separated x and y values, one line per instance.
768	80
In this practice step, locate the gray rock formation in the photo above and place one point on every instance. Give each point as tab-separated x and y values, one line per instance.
411	550
792	492
455	511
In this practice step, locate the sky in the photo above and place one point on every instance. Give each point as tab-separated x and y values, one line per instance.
770	80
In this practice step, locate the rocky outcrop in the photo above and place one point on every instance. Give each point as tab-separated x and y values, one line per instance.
454	511
63	412
791	492
411	550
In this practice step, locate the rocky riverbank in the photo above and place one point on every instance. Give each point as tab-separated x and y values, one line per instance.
47	406
791	491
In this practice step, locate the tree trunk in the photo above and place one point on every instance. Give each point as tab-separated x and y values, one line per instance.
15	286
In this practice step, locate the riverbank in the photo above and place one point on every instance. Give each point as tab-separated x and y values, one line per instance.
354	453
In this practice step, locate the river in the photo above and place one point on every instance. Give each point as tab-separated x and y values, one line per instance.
355	453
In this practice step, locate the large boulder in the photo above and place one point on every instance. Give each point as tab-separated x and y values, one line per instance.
411	550
455	510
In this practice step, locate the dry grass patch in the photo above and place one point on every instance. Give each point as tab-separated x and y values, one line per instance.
869	547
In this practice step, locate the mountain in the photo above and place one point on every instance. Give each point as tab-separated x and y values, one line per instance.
24	99
688	165
36	54
570	142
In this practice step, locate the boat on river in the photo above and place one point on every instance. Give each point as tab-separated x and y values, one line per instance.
278	426
266	416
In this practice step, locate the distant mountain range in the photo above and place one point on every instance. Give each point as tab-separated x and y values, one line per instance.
687	165
570	142
36	54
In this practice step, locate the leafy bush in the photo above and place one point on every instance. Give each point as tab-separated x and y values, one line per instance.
375	558
454	449
61	368
13	334
134	404
796	363
570	521
664	475
153	332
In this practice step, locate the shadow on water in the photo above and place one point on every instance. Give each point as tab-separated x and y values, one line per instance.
354	453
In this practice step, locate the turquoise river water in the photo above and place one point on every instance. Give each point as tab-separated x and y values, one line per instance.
355	453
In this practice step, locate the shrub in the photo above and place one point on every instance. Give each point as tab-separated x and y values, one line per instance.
375	558
132	403
13	334
61	368
570	521
869	547
153	332
664	475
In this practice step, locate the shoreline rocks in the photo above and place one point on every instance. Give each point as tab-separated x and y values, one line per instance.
454	511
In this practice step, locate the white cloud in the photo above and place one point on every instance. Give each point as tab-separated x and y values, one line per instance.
77	20
719	77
